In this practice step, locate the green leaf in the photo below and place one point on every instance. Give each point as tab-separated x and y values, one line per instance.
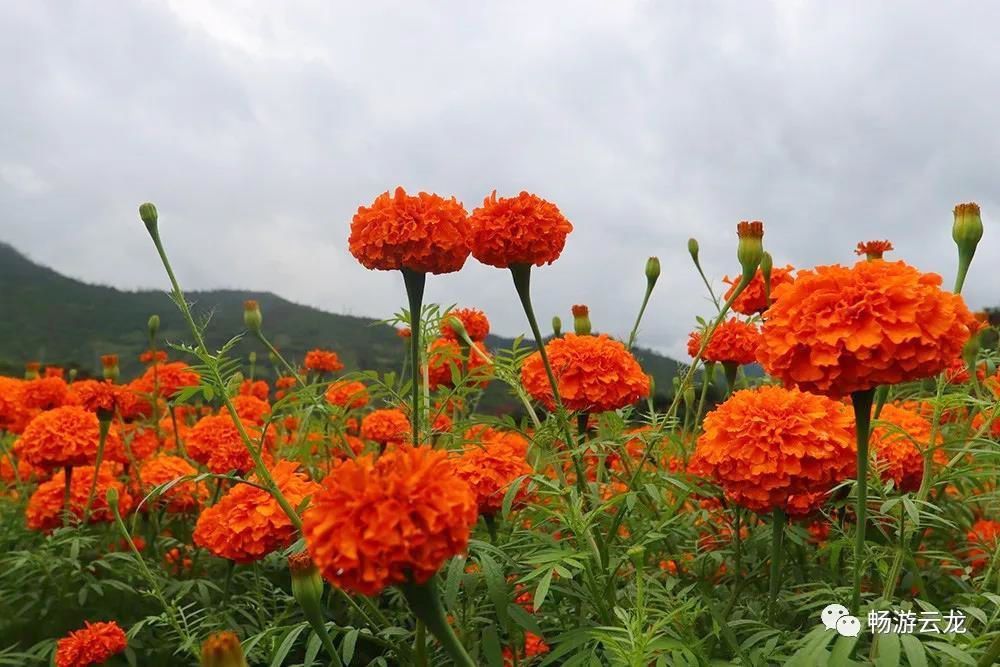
491	647
542	590
953	651
888	650
347	648
496	586
454	578
286	646
915	653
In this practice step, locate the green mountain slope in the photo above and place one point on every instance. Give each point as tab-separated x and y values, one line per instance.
57	320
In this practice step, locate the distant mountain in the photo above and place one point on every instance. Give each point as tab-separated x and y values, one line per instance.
47	317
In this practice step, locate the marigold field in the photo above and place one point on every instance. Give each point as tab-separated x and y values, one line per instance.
838	508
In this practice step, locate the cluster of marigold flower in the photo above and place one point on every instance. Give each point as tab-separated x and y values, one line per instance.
389	506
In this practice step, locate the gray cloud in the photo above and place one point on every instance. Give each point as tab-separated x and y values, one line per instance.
258	128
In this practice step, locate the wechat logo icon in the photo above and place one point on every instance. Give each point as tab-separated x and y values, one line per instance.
836	617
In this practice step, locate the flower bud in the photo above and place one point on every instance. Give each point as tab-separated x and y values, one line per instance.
32	370
154	326
556	326
222	649
72	375
581	320
967	229
272	358
252	317
112	497
873	250
766	265
253	358
307	585
637	555
456	325
149	216
751	246
689	396
693	249
109	365
652	270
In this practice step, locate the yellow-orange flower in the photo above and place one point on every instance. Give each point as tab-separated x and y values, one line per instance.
97	396
593	373
67	436
91	645
182	497
424	233
46	393
169	378
491	465
323	361
524	229
475	322
215	442
733	341
347	394
838	330
385	522
251	409
873	249
46	505
247	523
255	388
772	448
897	439
446	355
385	426
753	299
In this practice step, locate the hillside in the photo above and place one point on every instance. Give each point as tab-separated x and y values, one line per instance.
57	320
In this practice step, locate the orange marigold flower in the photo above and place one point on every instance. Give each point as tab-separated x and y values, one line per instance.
424	233
838	330
215	442
91	645
67	436
873	249
898	437
347	394
97	396
255	388
14	416
445	356
222	649
533	646
153	357
185	496
46	505
733	341
46	393
491	467
594	374
25	471
475	322
753	299
983	538
323	361
132	404
772	448
283	384
524	229
384	522
140	441
247	523
170	378
251	409
54	372
385	426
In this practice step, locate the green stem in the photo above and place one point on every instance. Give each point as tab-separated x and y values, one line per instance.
68	474
964	261
420	644
105	425
426	606
778	520
415	281
862	402
638	318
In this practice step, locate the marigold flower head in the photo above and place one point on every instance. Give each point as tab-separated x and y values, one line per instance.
247	523
404	332
446	355
773	448
753	299
475	322
733	341
347	394
593	373
323	361
153	357
91	645
109	360
215	442
14	415
897	440
838	330
385	426
169	378
983	538
133	404
424	233
46	393
533	646
251	409
255	388
25	471
46	505
67	436
491	466
385	522
186	496
99	397
54	372
141	441
524	229
222	649
873	249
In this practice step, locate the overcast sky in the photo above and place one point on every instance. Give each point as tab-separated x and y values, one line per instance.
258	128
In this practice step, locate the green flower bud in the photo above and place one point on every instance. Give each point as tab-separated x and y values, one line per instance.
149	216
693	249
112	497
222	649
652	270
252	317
581	320
751	246
154	326
556	326
253	358
967	229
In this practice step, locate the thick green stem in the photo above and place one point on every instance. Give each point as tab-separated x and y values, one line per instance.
862	401
415	281
964	261
105	425
426	606
638	319
778	520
